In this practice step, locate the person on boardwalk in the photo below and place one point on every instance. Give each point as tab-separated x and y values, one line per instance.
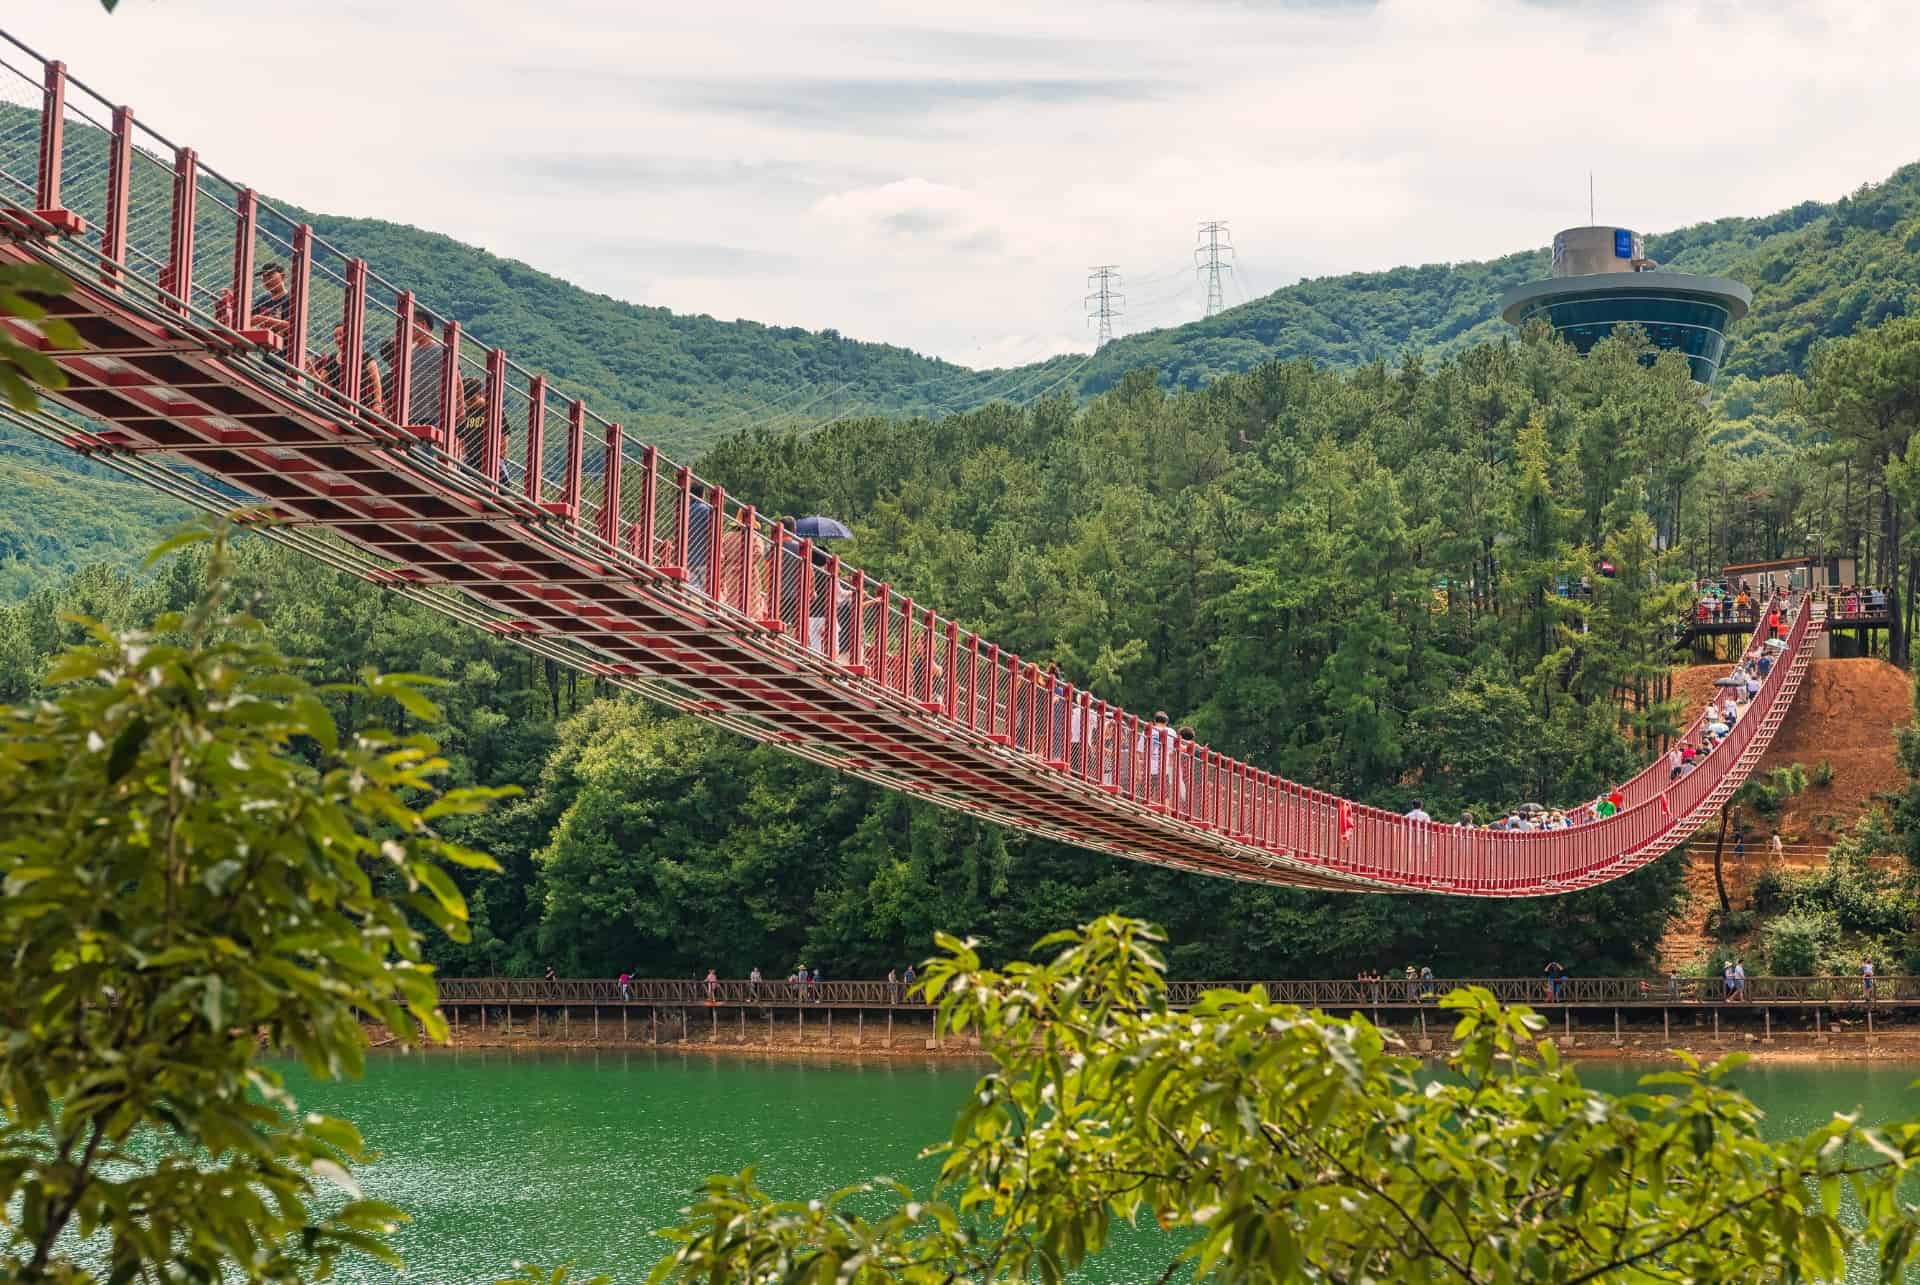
1726	979
908	979
1775	848
549	973
893	986
1739	979
626	987
753	983
1556	981
1866	979
713	987
1417	813
818	994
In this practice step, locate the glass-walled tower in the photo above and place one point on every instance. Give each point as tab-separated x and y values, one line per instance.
1602	279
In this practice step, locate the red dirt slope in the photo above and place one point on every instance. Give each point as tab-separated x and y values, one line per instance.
1845	712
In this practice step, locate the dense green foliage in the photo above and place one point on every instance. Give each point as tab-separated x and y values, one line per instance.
194	861
1312	568
1274	1145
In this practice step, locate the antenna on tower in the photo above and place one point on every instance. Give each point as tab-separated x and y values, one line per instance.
1104	300
1213	256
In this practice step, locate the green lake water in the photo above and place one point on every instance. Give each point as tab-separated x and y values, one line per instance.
556	1157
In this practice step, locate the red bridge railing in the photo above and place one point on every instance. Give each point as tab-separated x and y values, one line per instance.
122	209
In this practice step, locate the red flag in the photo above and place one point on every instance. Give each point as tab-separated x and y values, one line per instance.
1346	820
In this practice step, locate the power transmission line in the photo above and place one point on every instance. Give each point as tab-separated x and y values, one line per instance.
1104	302
1213	256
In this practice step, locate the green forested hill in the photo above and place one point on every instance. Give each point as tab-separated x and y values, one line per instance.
1817	270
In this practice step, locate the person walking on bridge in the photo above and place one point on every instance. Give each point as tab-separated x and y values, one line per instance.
713	987
753	983
893	986
626	987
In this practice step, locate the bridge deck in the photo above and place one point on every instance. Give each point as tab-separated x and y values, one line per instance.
401	464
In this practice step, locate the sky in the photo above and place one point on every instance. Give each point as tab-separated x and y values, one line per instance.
942	175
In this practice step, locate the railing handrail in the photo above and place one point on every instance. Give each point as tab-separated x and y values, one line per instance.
1394	988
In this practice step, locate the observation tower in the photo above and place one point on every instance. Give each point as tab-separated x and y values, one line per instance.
1602	278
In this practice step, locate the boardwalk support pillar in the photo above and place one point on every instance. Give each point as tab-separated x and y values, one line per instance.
1766	1015
769	1028
1666	1024
623	1022
654	1018
1616	1028
1716	1026
1819	1030
859	1027
889	1028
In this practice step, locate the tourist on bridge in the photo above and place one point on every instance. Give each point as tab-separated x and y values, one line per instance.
713	987
1866	979
817	993
1556	981
1739	979
893	986
626	987
549	972
272	307
1674	759
423	397
1413	984
1417	813
908	980
753	983
1726	979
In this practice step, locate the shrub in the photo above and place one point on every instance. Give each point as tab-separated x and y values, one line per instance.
1822	774
1796	942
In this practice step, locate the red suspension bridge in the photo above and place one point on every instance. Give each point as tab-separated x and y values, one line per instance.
386	441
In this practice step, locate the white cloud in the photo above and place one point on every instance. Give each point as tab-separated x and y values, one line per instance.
940	176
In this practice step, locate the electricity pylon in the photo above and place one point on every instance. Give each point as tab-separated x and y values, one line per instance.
1104	300
1213	256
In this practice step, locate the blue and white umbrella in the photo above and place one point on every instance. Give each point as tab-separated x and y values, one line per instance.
819	528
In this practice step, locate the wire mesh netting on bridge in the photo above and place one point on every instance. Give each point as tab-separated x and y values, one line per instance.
235	359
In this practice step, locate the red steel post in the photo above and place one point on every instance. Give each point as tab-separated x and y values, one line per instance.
53	120
803	609
179	274
353	340
950	697
973	681
610	467
400	395
536	434
493	439
749	529
830	645
113	242
247	206
681	559
776	578
906	687
576	453
716	523
856	644
649	498
299	296
879	667
453	398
